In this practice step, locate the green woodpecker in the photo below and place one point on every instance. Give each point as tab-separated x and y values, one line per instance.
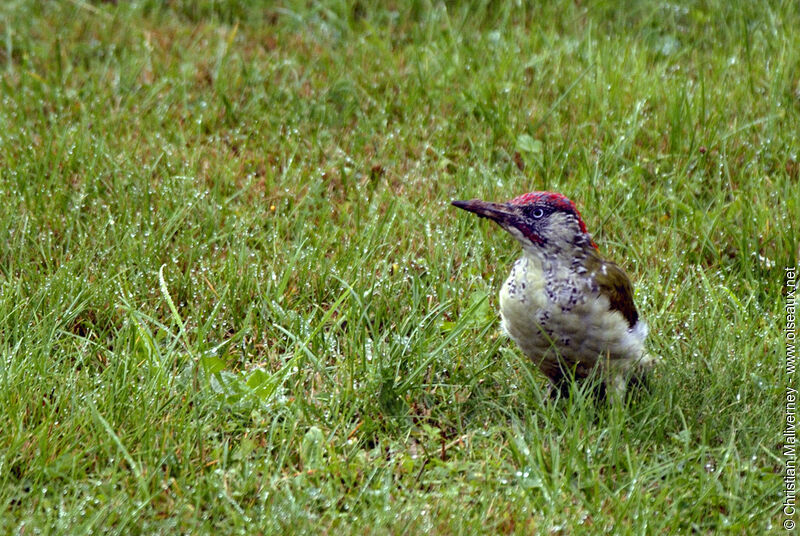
568	309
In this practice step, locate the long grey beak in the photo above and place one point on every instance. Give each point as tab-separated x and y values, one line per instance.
499	212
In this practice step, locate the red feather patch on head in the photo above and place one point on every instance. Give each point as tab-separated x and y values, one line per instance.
555	200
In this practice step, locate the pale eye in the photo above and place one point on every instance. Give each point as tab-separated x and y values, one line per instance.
538	213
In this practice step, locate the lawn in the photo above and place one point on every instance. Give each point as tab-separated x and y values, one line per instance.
234	297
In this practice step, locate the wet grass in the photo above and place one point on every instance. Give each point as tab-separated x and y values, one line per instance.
234	298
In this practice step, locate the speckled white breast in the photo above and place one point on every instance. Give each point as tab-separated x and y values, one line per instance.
561	315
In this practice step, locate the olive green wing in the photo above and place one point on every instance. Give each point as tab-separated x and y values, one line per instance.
614	284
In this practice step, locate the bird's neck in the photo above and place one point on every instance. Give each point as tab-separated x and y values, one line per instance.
555	258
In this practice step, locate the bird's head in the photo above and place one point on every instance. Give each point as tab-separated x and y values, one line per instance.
541	221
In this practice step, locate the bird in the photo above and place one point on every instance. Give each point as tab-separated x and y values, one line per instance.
568	309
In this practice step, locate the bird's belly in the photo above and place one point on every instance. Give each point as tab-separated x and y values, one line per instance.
572	326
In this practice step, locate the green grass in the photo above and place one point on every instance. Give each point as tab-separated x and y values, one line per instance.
234	298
